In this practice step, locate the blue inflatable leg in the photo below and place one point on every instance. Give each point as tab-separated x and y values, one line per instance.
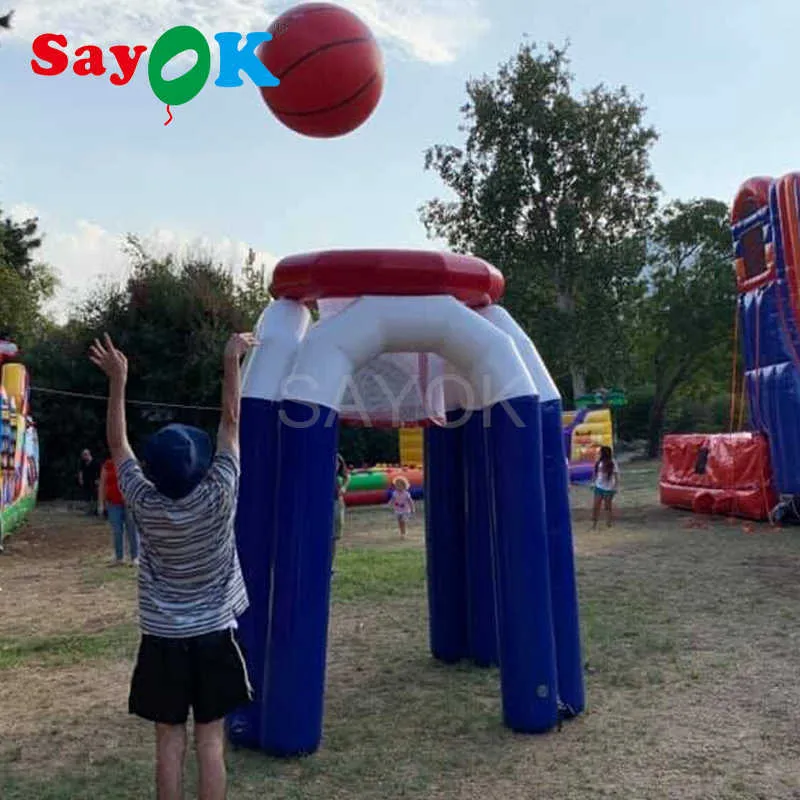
445	544
480	581
522	579
298	620
563	585
255	535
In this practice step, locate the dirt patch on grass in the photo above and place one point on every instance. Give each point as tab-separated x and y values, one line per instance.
49	578
57	718
690	635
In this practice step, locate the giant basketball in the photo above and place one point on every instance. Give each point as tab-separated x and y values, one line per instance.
329	66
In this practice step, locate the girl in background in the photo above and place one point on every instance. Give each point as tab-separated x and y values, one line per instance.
401	503
606	483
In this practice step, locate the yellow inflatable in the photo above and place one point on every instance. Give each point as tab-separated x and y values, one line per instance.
585	432
591	430
411	447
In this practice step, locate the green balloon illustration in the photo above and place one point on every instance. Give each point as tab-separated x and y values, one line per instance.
171	43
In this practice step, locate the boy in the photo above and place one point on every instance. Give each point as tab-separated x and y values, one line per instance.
191	588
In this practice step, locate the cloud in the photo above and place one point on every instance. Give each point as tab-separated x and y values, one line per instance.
86	255
434	31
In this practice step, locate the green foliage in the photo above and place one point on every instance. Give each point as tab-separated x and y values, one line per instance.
632	421
687	415
557	191
24	283
684	320
172	320
367	446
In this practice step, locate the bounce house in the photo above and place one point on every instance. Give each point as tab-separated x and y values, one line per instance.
585	432
412	447
19	445
744	474
405	337
373	486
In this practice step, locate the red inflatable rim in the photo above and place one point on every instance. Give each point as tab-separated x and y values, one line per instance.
309	277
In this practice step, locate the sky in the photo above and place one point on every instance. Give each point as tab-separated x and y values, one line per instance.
94	161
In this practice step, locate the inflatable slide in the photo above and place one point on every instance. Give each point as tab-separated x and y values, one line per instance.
765	223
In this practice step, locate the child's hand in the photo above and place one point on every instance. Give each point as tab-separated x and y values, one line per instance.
112	361
239	344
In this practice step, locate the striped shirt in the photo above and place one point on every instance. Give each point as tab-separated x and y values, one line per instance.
190	580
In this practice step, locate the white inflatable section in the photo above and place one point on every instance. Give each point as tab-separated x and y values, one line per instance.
340	346
393	388
530	355
456	390
282	326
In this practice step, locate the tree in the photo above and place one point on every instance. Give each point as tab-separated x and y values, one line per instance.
557	191
172	319
24	283
685	315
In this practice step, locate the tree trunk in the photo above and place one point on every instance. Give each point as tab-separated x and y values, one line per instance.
663	395
655	427
578	382
565	303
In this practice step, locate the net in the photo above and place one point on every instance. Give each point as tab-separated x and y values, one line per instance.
394	389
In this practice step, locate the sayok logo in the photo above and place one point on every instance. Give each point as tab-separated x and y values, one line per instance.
52	58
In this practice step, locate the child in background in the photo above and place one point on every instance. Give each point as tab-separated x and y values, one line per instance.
339	490
401	503
606	483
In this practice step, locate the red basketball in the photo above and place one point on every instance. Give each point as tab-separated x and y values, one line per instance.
329	66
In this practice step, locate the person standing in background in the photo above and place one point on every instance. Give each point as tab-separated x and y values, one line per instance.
110	499
88	479
606	485
339	489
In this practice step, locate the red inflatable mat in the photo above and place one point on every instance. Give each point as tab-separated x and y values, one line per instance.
718	474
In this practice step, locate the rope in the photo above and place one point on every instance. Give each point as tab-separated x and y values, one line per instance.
147	403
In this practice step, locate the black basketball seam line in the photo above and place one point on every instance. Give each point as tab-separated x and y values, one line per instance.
320	49
341	103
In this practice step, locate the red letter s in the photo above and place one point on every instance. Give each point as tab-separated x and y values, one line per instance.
43	49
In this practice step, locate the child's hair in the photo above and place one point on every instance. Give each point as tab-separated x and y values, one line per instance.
606	462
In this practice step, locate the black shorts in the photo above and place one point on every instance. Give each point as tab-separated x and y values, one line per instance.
205	673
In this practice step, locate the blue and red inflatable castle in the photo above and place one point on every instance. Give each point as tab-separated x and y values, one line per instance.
745	473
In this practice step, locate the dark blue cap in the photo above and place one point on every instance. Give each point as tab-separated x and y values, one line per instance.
177	458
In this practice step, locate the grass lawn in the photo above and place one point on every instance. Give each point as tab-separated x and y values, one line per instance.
692	647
